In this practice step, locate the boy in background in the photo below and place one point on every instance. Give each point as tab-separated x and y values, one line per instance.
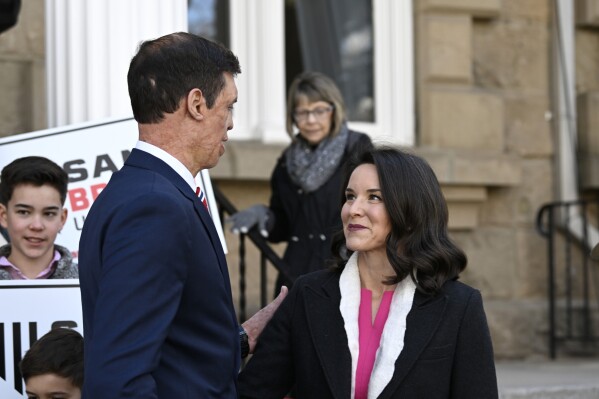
32	195
53	366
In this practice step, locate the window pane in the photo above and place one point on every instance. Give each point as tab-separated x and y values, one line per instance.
334	37
210	19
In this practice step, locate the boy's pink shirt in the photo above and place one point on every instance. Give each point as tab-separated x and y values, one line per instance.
16	273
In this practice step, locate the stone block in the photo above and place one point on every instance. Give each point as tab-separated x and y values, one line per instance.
39	118
462	119
586	60
464	193
446	49
15	108
589	171
527	10
518	327
27	37
588	122
528	125
536	188
587	13
588	139
478	169
492	261
519	204
463	204
462	215
531	255
512	54
475	8
468	168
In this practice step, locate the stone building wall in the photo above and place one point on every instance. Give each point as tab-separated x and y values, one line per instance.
22	72
587	89
484	88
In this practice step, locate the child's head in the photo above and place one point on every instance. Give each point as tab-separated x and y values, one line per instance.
53	366
32	195
34	171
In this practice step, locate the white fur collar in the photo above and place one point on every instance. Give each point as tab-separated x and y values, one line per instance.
392	340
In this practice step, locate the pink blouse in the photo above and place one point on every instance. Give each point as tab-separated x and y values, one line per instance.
370	338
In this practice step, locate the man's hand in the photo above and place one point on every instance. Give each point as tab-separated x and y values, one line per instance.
255	324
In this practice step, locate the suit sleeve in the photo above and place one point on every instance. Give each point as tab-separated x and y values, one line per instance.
473	375
139	290
269	374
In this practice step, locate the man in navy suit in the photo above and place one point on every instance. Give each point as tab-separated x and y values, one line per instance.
158	315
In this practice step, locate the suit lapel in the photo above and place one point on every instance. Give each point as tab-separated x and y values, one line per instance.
325	326
423	320
214	239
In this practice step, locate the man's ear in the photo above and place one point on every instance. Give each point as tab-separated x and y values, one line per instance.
196	104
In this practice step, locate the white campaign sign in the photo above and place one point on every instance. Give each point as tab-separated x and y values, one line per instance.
89	153
30	308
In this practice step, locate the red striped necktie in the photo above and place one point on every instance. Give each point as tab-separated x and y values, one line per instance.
202	197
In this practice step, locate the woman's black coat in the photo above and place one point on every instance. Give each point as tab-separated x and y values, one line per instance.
447	351
306	221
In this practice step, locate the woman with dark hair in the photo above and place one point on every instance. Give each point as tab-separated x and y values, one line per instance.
390	319
307	177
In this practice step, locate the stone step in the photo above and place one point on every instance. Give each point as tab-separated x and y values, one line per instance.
569	392
575	378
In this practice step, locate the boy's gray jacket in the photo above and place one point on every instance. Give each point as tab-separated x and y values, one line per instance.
66	268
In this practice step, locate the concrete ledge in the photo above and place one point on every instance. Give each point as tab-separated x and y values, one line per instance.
247	160
253	160
484	168
476	8
576	392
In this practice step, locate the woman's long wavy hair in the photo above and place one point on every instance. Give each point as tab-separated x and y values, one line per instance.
418	245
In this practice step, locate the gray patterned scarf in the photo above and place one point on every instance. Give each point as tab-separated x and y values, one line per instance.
311	167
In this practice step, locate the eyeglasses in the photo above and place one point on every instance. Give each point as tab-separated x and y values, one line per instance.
319	113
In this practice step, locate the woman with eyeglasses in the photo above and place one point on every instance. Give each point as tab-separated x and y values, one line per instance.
307	177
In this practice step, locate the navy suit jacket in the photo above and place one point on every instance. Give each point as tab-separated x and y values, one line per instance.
158	316
447	349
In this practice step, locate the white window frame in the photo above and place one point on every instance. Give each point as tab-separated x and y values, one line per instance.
258	39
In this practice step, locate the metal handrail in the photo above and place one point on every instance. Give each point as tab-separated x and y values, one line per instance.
267	254
553	220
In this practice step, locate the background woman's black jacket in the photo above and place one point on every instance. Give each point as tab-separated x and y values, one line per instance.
306	221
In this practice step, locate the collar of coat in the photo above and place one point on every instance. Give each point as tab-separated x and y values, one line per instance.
392	339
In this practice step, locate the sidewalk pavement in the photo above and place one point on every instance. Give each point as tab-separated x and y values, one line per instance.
549	379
